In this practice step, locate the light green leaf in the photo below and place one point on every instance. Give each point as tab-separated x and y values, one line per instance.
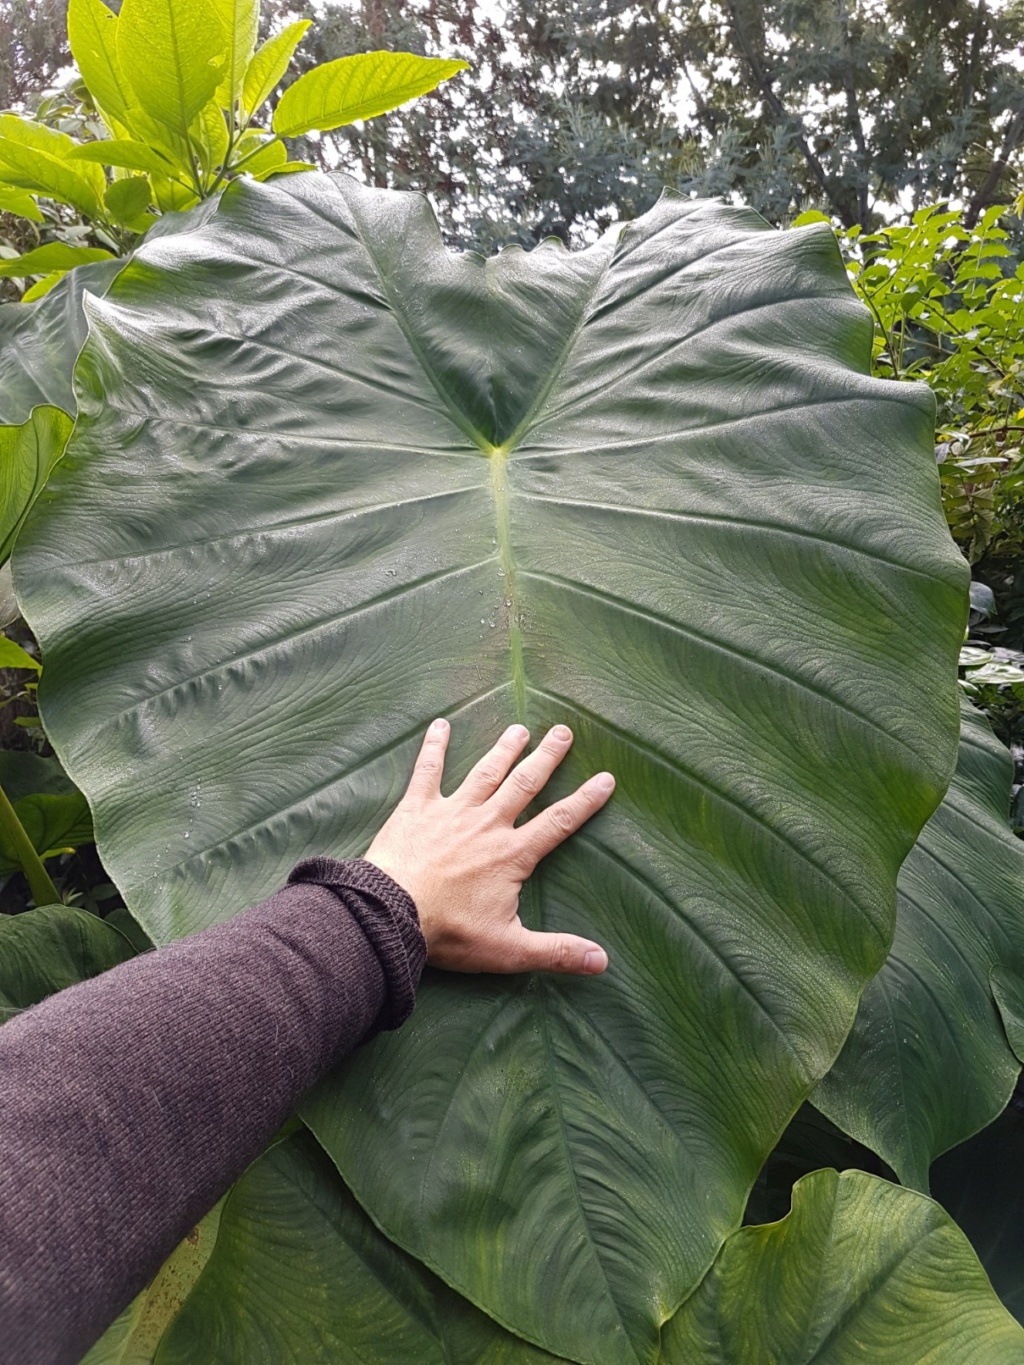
123	153
43	286
259	152
27	455
127	200
28	168
860	1271
41	138
269	63
240	20
285	168
49	949
92	36
301	1276
173	53
13	656
21	203
52	256
320	455
210	136
134	1337
927	1061
358	87
171	195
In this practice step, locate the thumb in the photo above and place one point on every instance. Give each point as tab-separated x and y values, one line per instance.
538	952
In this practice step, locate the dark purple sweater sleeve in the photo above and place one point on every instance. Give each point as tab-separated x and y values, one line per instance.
129	1103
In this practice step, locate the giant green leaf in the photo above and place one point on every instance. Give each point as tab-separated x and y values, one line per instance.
300	1276
860	1271
358	87
331	480
927	1062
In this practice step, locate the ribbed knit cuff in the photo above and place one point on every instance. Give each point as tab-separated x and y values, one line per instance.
387	916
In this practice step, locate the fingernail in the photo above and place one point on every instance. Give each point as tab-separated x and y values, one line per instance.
439	725
561	733
596	960
603	782
518	732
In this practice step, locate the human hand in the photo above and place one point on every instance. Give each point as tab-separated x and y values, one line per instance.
463	860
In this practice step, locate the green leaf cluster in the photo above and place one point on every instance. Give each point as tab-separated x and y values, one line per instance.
178	87
947	298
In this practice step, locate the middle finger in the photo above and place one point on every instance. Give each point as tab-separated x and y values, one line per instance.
529	777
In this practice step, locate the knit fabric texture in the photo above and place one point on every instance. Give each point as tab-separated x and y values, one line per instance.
131	1101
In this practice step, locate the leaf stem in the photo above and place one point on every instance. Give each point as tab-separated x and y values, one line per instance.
43	890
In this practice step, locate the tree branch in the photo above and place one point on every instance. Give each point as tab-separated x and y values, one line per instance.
986	195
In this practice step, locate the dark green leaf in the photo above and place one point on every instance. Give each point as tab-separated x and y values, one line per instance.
927	1062
54	823
46	950
39	344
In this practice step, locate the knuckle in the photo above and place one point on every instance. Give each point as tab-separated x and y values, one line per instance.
562	818
525	781
489	773
561	956
429	763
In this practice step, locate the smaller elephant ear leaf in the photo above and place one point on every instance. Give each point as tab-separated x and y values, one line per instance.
860	1270
927	1062
43	951
1008	991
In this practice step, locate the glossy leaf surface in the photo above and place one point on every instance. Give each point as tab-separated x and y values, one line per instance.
861	1270
358	87
46	950
300	1276
927	1062
331	481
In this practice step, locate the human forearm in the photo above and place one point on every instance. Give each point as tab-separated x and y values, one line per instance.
132	1101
